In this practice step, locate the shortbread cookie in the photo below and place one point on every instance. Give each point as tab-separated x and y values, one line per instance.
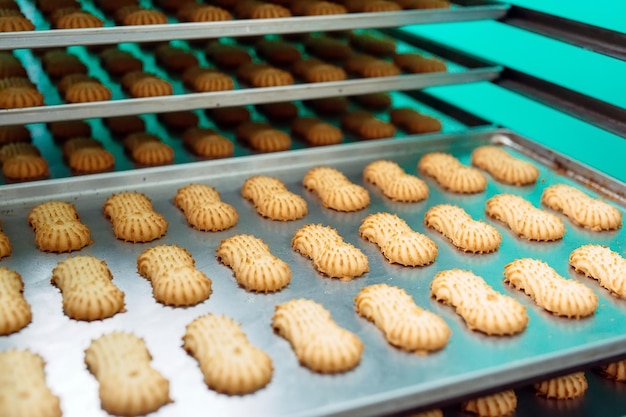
564	387
153	154
495	405
316	8
74	144
316	132
254	266
15	312
263	75
581	209
204	209
327	48
10	150
5	245
330	254
91	160
142	16
335	189
601	263
272	199
229	362
615	370
367	66
23	386
206	143
504	167
17	23
88	293
416	63
175	280
20	97
129	385
77	19
133	218
465	233
205	80
451	174
394	182
318	342
253	9
560	296
150	86
58	228
263	137
25	167
366	126
197	12
404	324
313	70
524	219
397	241
482	308
413	122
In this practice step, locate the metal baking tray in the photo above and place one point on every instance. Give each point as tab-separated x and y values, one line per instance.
462	68
110	34
387	380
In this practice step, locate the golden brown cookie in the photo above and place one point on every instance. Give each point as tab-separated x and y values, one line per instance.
263	75
262	137
226	55
316	132
496	405
206	143
205	80
316	8
88	293
175	279
16	313
5	245
149	86
367	66
563	387
198	12
84	92
397	241
615	370
91	160
272	199
416	63
603	264
15	24
524	219
414	122
58	227
204	209
582	209
504	167
451	174
23	385
25	167
404	324
129	385
20	97
15	81
253	9
69	80
77	143
481	307
560	296
335	190
313	70
10	150
229	362
132	15
255	267
78	19
366	126
133	218
318	342
330	254
373	44
394	182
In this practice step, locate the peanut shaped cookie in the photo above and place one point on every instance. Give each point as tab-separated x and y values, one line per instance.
504	167
15	311
601	263
335	189
272	199
204	208
451	174
394	182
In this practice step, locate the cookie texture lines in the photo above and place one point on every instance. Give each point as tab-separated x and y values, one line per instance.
465	233
255	267
582	209
58	227
335	190
87	288
133	218
229	362
601	263
318	342
394	182
524	219
273	200
483	308
563	387
451	174
404	324
560	296
204	209
495	405
397	241
503	166
15	312
330	254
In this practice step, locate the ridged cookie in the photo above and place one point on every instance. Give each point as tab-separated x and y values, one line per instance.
204	208
601	263
318	342
5	245
563	387
129	385
255	268
404	324
58	228
524	219
495	405
583	210
23	386
560	296
330	254
482	308
465	233
451	174
272	199
229	362
394	182
88	293
133	218
15	313
615	370
397	241
504	167
335	189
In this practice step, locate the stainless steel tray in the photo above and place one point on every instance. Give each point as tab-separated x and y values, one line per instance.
387	380
43	37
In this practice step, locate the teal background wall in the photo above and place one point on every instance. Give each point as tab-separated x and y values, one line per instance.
572	67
